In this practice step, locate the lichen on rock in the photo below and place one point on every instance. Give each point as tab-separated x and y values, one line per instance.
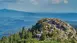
55	28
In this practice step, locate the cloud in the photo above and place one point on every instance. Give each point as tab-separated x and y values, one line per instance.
45	2
59	1
34	2
65	1
37	5
56	1
39	2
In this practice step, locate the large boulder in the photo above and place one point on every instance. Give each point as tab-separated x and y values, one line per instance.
55	28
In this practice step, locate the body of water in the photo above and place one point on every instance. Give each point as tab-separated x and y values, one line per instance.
12	21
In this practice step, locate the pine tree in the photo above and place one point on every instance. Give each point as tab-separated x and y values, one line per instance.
23	33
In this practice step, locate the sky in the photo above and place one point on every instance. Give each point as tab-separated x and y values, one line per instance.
40	5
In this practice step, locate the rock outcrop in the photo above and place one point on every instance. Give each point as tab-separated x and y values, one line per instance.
55	28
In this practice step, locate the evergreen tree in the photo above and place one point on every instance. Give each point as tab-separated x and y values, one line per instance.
23	33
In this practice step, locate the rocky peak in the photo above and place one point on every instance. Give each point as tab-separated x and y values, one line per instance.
50	25
55	22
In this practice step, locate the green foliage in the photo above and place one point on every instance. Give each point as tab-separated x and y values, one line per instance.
49	41
26	36
43	37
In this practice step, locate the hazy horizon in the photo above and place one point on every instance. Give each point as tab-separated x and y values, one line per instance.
35	12
40	5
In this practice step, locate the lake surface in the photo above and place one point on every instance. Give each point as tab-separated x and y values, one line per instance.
12	21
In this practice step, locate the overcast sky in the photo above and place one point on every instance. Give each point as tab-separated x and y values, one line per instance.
40	5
